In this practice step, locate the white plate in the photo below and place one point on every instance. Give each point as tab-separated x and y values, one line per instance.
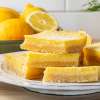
49	88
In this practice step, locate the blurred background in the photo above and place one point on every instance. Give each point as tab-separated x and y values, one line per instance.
71	14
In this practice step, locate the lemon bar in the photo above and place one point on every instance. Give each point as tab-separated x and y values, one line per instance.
31	64
17	63
88	42
43	60
92	54
55	42
70	74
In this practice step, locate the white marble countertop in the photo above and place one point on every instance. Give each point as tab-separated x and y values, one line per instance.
9	92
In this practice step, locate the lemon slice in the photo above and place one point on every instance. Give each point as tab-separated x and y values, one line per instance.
41	21
29	8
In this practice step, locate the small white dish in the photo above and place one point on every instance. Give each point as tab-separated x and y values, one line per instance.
49	88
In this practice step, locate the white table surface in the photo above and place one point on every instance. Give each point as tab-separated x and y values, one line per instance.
9	92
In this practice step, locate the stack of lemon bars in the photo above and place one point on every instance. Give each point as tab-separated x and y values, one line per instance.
56	56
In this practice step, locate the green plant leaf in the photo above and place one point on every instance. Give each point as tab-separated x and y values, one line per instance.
92	5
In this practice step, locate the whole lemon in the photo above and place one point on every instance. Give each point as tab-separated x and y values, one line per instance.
7	13
14	29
